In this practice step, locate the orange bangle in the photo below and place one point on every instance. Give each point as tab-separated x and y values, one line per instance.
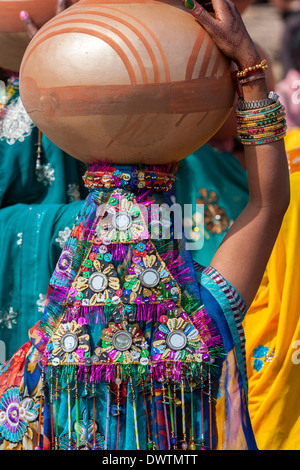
252	77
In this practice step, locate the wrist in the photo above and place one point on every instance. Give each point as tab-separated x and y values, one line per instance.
272	99
251	76
250	59
255	90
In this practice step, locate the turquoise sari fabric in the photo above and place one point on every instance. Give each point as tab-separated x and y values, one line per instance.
31	240
36	213
218	184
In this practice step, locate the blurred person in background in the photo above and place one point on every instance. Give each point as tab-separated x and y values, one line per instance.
286	8
289	87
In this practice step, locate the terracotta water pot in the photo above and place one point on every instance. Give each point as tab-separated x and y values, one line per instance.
126	81
13	38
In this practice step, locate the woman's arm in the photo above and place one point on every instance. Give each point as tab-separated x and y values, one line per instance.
243	255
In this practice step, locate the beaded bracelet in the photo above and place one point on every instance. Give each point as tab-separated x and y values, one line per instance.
250	70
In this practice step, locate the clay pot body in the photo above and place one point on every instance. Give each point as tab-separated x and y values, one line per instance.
126	81
13	38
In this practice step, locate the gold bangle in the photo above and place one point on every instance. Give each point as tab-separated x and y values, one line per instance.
266	127
275	115
263	135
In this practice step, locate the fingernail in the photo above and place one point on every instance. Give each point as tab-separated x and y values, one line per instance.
23	15
189	4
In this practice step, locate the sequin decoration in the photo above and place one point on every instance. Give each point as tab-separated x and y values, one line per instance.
122	343
122	220
70	344
97	282
148	279
177	339
215	218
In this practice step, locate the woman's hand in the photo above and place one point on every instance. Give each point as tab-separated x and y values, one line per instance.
29	25
227	29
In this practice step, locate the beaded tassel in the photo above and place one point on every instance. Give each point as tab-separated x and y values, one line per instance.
38	446
184	442
175	415
77	414
94	418
152	396
52	410
134	414
87	423
69	414
38	165
202	411
149	441
173	438
107	416
118	382
210	409
192	445
166	415
86	394
56	411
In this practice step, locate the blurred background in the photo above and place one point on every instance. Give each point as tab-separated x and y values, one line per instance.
265	21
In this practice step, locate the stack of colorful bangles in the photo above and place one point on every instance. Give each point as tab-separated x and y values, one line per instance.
260	121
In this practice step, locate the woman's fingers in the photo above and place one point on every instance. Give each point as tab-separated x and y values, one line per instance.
29	25
226	28
198	10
